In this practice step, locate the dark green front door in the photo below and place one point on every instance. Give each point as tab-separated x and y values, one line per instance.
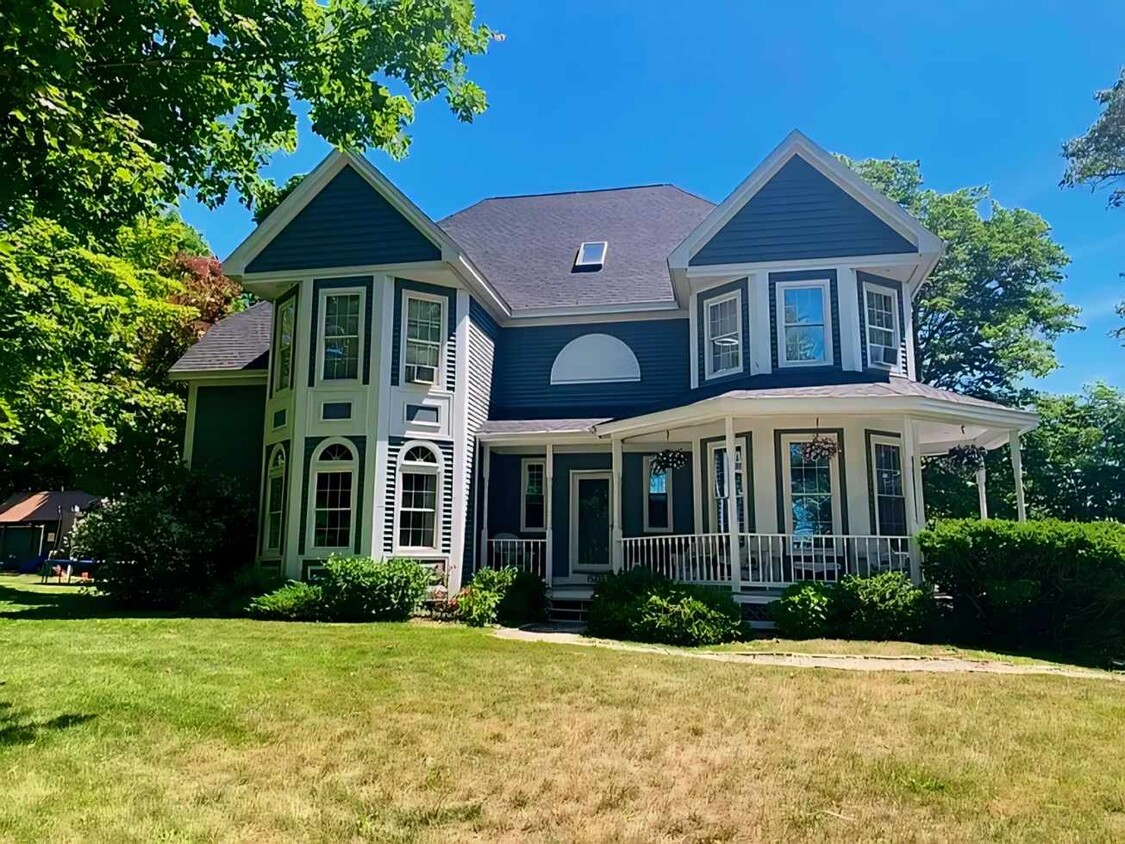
589	519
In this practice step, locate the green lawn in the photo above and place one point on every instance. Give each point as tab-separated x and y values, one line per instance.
142	729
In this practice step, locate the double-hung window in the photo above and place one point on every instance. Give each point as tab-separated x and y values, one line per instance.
341	336
723	335
423	341
334	475
658	499
275	500
533	504
811	490
887	487
419	485
804	336
283	354
720	514
883	333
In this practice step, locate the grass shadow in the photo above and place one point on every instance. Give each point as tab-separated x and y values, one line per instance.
61	601
16	729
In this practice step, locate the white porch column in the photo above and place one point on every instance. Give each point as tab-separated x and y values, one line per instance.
616	532
982	496
548	497
912	487
485	467
1017	472
732	506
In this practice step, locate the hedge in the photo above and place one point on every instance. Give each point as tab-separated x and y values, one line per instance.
1040	585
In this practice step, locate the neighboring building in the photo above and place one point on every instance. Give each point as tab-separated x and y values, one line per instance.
32	524
556	381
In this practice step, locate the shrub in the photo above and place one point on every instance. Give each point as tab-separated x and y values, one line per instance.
646	607
1041	585
161	549
363	589
231	598
295	601
506	596
804	611
883	606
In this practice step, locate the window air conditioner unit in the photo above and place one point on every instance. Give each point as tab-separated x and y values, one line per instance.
885	355
417	374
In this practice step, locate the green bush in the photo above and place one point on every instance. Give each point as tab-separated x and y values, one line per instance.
881	607
231	598
643	606
506	596
295	601
804	611
165	549
1040	585
363	589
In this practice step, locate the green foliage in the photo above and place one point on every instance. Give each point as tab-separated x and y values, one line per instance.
643	606
885	606
506	596
271	195
108	109
1038	585
229	599
162	549
1097	158
804	611
990	312
295	601
363	589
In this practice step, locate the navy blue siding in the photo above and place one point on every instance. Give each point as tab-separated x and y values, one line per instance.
560	501
450	295
894	284
800	213
834	313
633	484
347	224
701	309
521	386
445	529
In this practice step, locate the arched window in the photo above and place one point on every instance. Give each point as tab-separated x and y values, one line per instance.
275	500
419	498
595	359
333	496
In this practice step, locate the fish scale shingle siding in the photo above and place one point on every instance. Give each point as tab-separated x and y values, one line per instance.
800	213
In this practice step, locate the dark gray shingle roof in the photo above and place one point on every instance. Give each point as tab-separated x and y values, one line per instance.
525	245
240	341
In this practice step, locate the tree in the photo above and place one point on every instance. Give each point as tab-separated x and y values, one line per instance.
990	312
1097	158
107	108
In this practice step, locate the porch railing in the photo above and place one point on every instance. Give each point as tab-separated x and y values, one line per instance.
767	560
689	558
524	554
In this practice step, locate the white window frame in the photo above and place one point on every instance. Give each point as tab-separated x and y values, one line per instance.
276	469
712	501
788	440
736	296
437	468
319	467
646	465
439	375
894	442
578	262
525	466
826	304
896	304
322	320
281	385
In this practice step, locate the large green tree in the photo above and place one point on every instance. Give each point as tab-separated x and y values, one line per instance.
110	106
990	312
1097	158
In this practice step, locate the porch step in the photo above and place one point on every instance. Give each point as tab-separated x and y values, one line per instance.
567	609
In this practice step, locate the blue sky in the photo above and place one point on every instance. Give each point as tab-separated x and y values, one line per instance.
603	93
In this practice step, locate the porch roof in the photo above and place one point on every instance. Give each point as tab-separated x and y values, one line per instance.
517	429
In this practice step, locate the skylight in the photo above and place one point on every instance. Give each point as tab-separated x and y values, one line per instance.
591	254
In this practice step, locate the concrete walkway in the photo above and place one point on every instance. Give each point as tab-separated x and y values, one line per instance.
842	662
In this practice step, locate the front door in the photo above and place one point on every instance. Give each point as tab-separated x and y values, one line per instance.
589	521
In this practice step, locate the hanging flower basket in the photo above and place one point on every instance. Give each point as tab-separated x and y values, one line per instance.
965	458
669	459
820	448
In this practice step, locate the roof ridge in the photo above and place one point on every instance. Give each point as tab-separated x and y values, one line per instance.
585	190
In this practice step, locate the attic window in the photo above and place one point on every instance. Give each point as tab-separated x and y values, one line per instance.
591	255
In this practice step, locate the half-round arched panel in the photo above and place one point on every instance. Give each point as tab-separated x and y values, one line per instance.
593	359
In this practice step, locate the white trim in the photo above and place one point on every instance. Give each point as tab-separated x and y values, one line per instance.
525	464
825	286
873	484
577	475
440	376
713	448
222	377
275	471
646	476
437	468
321	339
578	262
708	304
318	467
718	273
848	301
833	478
896	304
408	422
189	427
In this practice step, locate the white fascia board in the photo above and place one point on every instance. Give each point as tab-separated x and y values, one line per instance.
219	377
499	438
596	313
796	143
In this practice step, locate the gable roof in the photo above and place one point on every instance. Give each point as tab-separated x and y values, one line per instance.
42	506
526	245
239	341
